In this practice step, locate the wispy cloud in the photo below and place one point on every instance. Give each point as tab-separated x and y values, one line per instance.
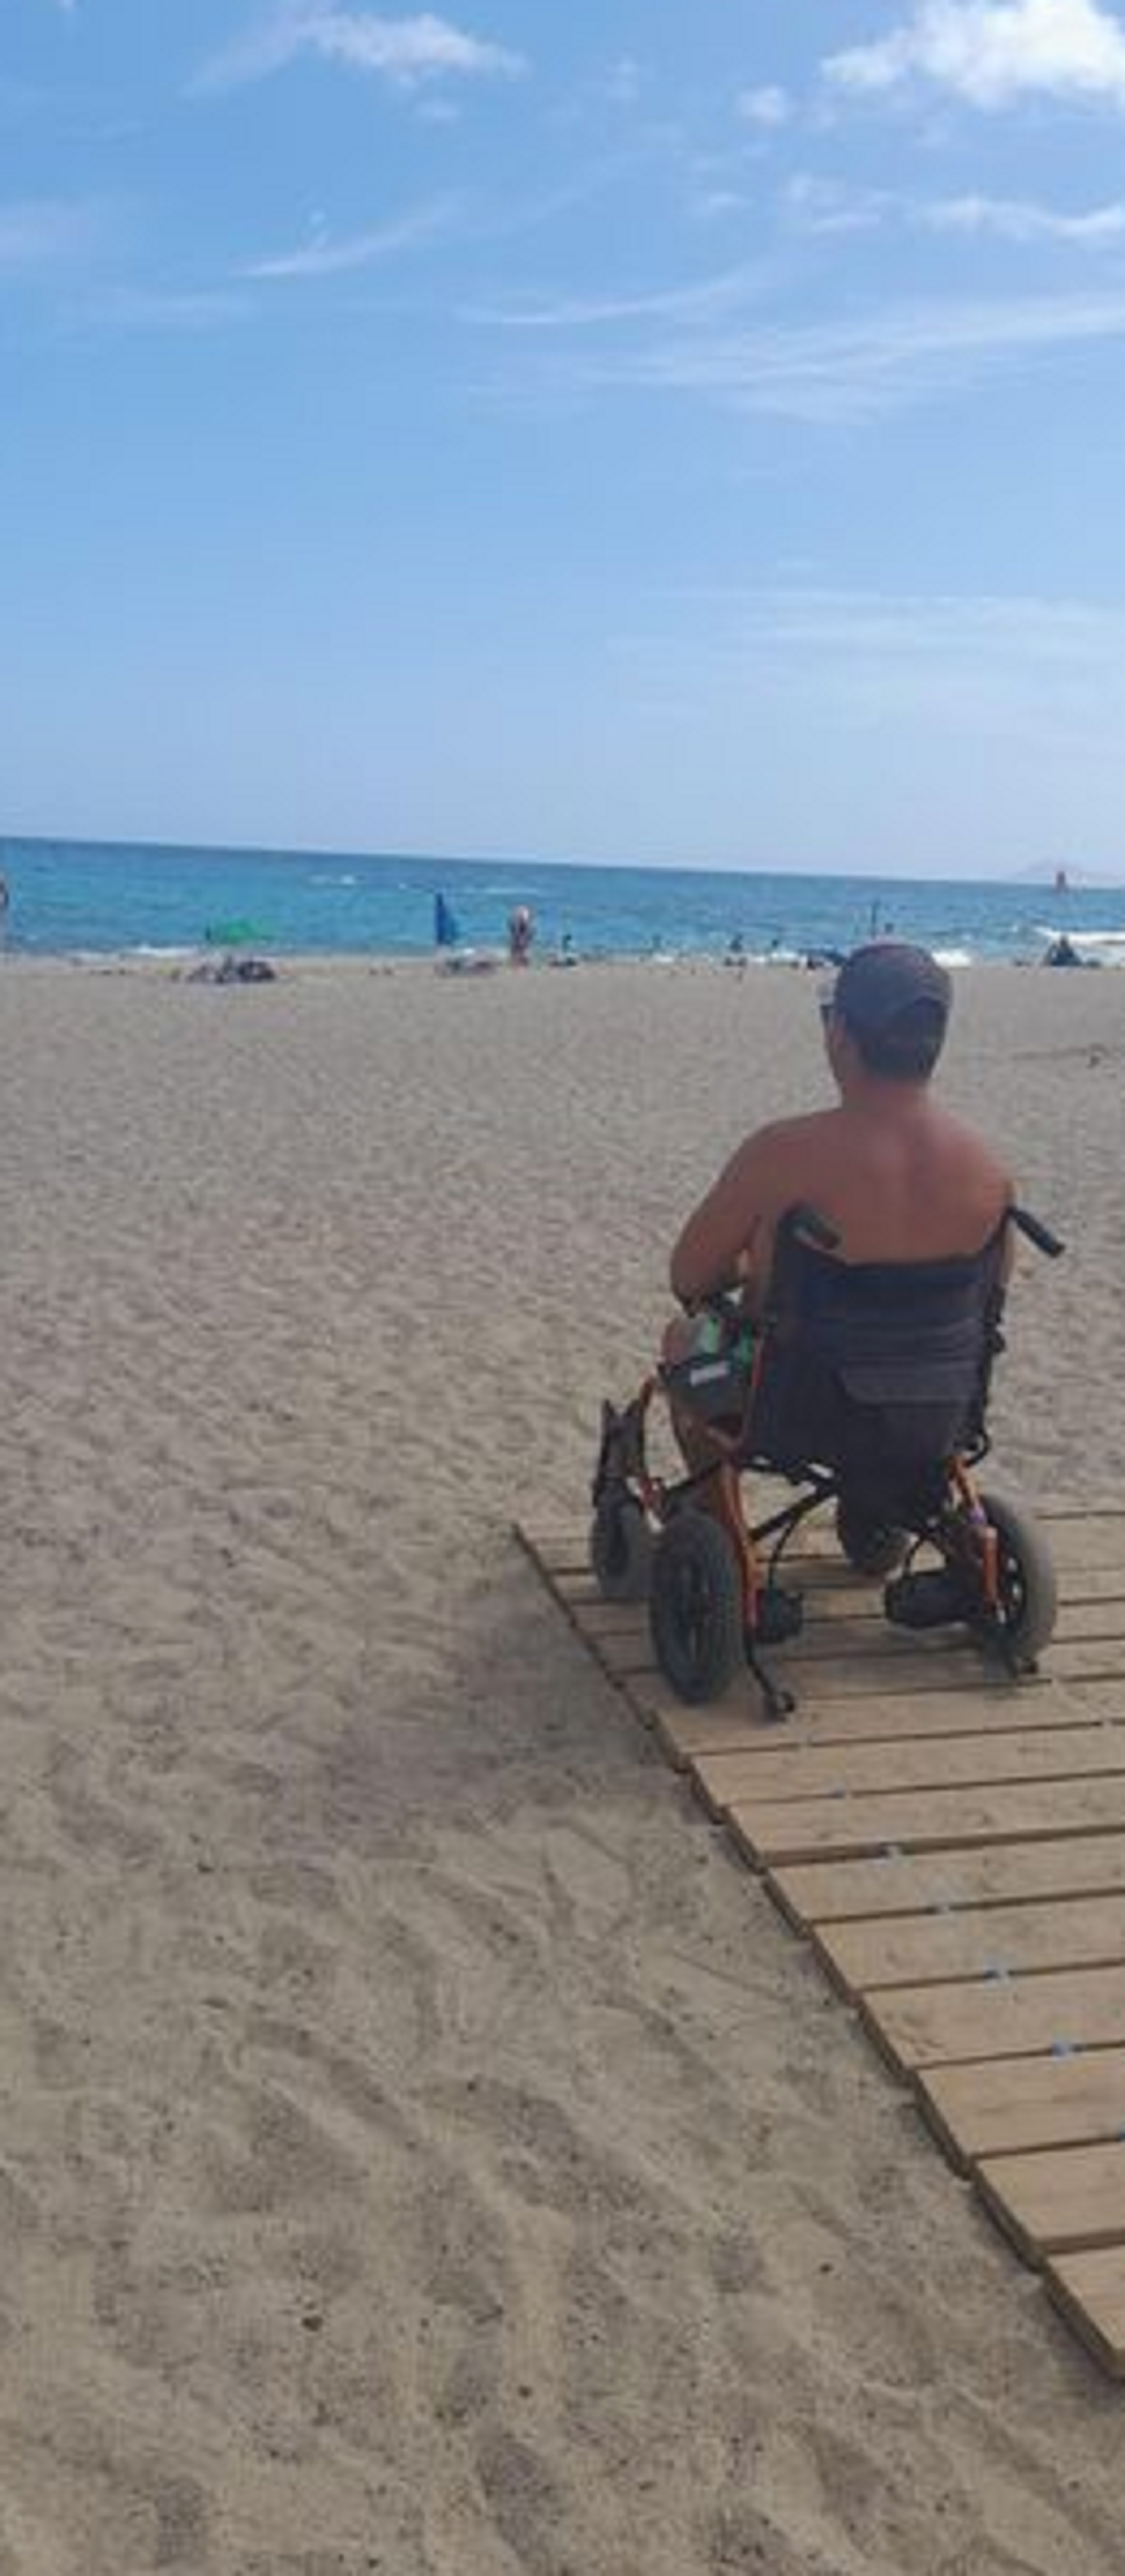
798	620
321	256
817	205
684	304
406	51
1017	220
824	207
993	53
766	108
41	231
973	658
846	373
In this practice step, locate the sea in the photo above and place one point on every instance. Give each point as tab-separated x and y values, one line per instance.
72	898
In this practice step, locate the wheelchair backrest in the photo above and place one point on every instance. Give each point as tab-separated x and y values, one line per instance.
911	1332
877	1371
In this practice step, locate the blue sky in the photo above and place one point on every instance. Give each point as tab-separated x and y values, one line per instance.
666	430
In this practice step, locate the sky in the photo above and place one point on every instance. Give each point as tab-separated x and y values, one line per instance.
670	431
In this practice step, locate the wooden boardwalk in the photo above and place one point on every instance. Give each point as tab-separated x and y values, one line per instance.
952	1845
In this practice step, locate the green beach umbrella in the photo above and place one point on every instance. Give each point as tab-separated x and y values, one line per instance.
235	934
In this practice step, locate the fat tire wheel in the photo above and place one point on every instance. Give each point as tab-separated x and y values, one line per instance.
872	1548
1029	1597
620	1548
695	1608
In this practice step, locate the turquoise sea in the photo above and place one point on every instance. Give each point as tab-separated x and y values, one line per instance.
71	897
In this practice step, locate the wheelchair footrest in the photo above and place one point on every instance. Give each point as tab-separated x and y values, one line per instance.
933	1599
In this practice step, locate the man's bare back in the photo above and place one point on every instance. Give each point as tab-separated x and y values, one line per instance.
895	1174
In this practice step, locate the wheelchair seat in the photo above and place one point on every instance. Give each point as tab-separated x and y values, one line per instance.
875	1373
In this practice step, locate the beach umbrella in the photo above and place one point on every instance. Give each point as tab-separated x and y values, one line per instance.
446	931
235	934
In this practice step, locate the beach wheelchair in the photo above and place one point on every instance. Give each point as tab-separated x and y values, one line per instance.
865	1387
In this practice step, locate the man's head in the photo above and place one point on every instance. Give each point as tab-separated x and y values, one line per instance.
891	1004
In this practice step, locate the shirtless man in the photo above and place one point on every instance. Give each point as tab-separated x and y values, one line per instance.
897	1176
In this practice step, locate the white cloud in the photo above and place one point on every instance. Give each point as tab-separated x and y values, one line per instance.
822	206
402	50
323	257
846	373
995	52
767	107
1015	220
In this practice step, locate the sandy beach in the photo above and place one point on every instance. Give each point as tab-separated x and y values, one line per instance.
422	2149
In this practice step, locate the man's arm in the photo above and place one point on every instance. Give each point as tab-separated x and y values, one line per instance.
717	1243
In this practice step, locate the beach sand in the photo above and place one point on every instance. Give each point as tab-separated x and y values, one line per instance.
422	2148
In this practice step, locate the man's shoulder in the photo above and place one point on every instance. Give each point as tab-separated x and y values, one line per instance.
784	1137
966	1141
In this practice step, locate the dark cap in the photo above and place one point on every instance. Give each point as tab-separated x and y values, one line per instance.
880	987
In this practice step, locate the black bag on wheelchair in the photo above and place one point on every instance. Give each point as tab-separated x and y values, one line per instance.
713	1385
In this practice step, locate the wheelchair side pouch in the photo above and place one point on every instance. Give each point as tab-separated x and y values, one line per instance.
712	1386
908	1382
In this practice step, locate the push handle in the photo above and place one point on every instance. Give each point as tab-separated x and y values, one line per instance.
1037	1233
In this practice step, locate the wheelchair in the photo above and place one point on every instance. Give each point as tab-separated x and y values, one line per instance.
865	1387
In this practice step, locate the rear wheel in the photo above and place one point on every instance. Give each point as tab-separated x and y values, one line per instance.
871	1547
620	1548
695	1608
1028	1590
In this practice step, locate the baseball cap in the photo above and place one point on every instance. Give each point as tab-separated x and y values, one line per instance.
889	983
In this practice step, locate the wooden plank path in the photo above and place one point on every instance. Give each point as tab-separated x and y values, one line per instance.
952	1845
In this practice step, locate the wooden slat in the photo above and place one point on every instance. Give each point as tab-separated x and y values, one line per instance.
921	2026
926	1819
1019	2103
556	1550
828	1640
1093	1583
1087	1541
1103	1619
891	1664
1059	2201
598	1619
624	1655
735	1724
1089	2290
911	1882
803	1770
930	1949
912	1667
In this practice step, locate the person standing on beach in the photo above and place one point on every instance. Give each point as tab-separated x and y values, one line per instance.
521	933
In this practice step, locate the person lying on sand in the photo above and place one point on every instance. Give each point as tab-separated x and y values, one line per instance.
891	1171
